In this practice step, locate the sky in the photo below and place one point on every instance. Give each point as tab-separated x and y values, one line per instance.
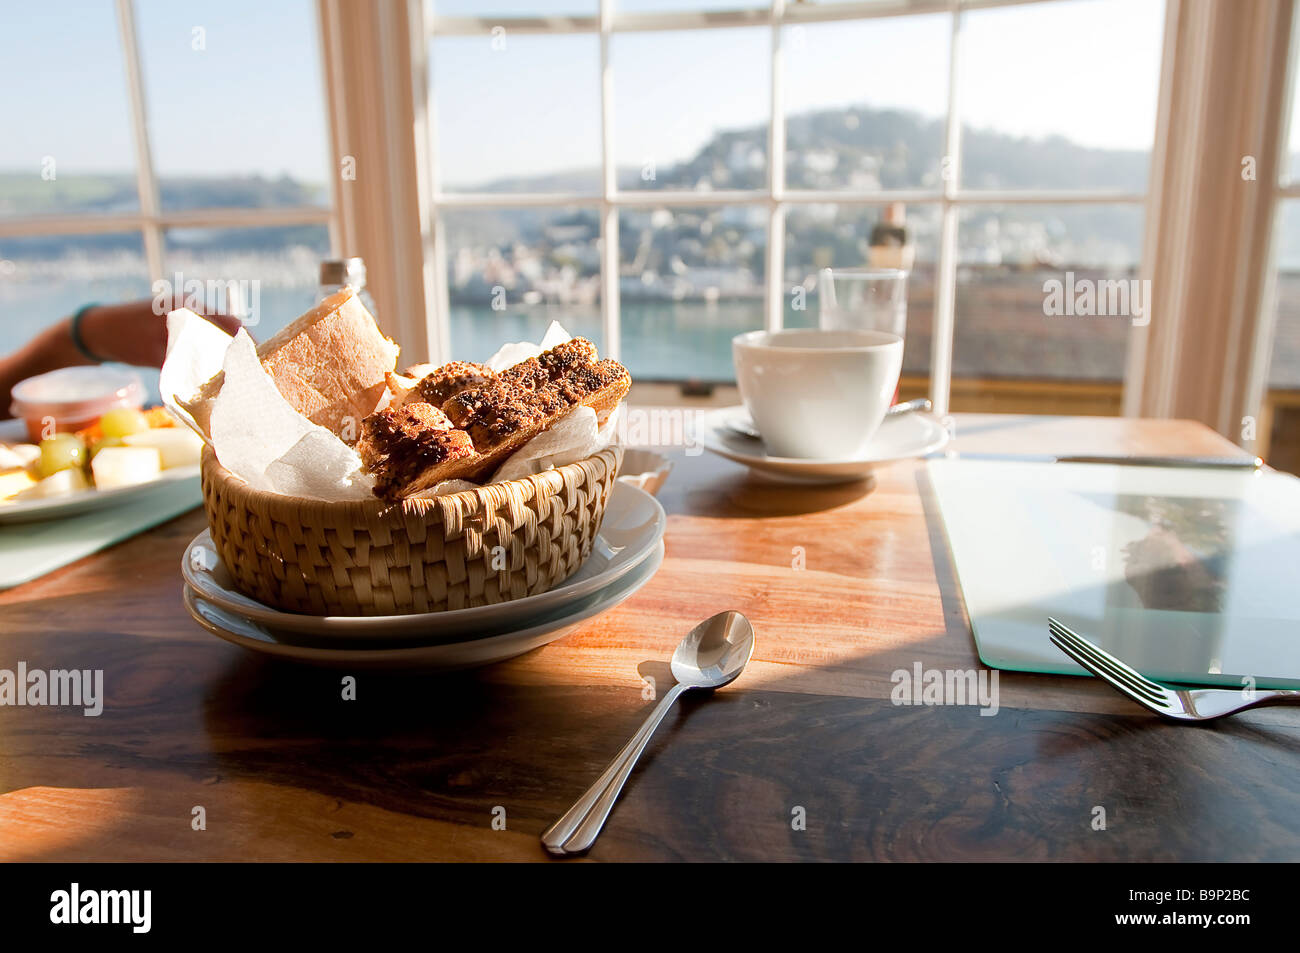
1084	69
250	100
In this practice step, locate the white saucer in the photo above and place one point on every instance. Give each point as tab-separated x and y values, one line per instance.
901	437
633	525
494	646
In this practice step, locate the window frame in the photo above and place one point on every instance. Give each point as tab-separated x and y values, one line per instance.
776	198
151	221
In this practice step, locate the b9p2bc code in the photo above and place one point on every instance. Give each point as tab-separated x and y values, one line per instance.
1218	896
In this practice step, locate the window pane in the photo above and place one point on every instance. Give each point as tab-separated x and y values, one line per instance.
44	279
234	98
1284	371
851	123
67	143
518	113
690	280
511	272
692	108
829	236
1012	324
1060	95
280	265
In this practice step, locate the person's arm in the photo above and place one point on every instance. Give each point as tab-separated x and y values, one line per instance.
132	333
48	351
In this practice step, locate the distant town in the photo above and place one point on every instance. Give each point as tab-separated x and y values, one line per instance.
698	270
718	253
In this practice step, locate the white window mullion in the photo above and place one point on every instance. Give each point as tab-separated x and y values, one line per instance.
945	278
610	325
656	198
335	223
774	294
774	286
1256	385
433	258
703	19
1135	357
612	343
82	224
146	182
440	304
945	292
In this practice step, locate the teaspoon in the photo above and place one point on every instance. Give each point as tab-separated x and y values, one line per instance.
712	655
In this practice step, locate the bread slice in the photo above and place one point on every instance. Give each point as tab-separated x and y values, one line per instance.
405	445
331	365
412	446
436	385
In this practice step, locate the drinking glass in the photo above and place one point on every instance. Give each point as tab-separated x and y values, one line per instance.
873	299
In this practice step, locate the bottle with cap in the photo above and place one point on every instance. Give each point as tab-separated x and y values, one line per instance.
337	273
890	244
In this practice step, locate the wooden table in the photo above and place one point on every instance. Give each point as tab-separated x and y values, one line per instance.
418	767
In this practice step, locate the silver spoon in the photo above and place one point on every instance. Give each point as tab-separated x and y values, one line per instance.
747	428
712	655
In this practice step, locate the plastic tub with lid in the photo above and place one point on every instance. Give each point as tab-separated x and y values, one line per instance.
74	397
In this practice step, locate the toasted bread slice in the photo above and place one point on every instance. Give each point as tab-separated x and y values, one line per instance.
404	446
407	455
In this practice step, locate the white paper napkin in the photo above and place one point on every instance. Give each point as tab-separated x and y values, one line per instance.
516	353
196	349
572	438
257	435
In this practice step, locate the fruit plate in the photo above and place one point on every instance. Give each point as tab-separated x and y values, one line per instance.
84	501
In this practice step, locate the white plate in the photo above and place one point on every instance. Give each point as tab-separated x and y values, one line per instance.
902	437
483	650
28	511
632	526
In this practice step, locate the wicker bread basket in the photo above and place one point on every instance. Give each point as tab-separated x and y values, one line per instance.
499	542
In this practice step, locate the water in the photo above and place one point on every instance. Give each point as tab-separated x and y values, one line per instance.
26	309
662	340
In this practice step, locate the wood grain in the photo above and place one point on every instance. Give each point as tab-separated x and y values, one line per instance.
413	769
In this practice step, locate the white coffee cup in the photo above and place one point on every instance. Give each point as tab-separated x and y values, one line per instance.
814	393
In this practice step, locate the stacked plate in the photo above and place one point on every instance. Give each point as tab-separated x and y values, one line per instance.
625	554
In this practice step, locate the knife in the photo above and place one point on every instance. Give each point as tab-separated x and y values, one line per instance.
1131	460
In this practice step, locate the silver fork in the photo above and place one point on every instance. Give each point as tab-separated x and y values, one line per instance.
1178	704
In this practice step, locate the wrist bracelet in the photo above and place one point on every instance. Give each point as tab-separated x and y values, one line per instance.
77	341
